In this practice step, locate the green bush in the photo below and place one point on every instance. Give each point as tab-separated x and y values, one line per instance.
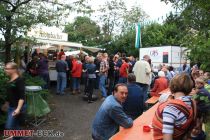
29	81
33	81
36	81
3	87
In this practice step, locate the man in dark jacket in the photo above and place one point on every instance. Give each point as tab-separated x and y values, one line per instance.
42	69
111	75
97	62
68	72
61	68
134	104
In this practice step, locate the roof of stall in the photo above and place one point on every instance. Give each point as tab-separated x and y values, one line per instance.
66	44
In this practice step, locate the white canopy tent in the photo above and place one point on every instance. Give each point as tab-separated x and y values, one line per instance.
52	43
75	53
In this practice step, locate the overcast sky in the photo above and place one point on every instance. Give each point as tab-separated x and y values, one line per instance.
154	8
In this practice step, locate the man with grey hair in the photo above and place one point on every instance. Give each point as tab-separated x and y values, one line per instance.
185	68
61	68
142	71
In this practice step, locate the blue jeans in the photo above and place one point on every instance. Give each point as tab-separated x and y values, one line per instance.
46	78
75	83
102	85
13	122
61	82
122	80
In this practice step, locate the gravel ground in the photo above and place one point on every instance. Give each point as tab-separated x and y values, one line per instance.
71	115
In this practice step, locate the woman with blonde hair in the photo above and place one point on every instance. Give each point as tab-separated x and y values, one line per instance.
91	72
15	96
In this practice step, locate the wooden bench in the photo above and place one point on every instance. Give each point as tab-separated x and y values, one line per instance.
165	91
152	100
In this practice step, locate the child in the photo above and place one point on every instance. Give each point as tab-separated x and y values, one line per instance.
200	86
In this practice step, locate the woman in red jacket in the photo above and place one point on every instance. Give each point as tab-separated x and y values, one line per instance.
160	84
76	74
124	71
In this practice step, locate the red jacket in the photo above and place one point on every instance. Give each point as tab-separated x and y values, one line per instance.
160	84
60	54
124	70
76	69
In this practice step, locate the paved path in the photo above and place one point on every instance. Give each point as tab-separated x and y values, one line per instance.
71	115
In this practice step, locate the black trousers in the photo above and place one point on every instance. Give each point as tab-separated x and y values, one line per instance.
90	87
111	85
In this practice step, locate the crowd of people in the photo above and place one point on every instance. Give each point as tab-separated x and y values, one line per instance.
180	114
125	84
93	72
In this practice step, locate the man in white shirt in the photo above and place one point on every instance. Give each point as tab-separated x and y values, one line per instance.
142	71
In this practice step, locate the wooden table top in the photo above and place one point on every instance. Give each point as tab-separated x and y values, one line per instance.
136	132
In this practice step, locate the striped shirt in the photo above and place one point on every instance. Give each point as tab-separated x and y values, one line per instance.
174	117
104	66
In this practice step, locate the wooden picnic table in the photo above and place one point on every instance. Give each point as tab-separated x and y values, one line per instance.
152	100
167	91
136	132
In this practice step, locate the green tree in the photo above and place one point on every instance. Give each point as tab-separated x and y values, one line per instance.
133	16
159	35
84	30
194	17
118	26
195	12
112	16
124	43
16	17
151	35
199	48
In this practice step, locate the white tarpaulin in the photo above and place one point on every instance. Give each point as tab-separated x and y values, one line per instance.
52	43
74	53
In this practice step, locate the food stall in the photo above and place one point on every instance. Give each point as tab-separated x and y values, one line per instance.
68	50
52	40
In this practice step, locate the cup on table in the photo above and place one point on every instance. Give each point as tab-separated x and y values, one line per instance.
146	128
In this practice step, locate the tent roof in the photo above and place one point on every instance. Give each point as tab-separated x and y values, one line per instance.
68	44
74	53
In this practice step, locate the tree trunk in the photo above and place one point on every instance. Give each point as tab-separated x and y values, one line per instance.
7	52
8	41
